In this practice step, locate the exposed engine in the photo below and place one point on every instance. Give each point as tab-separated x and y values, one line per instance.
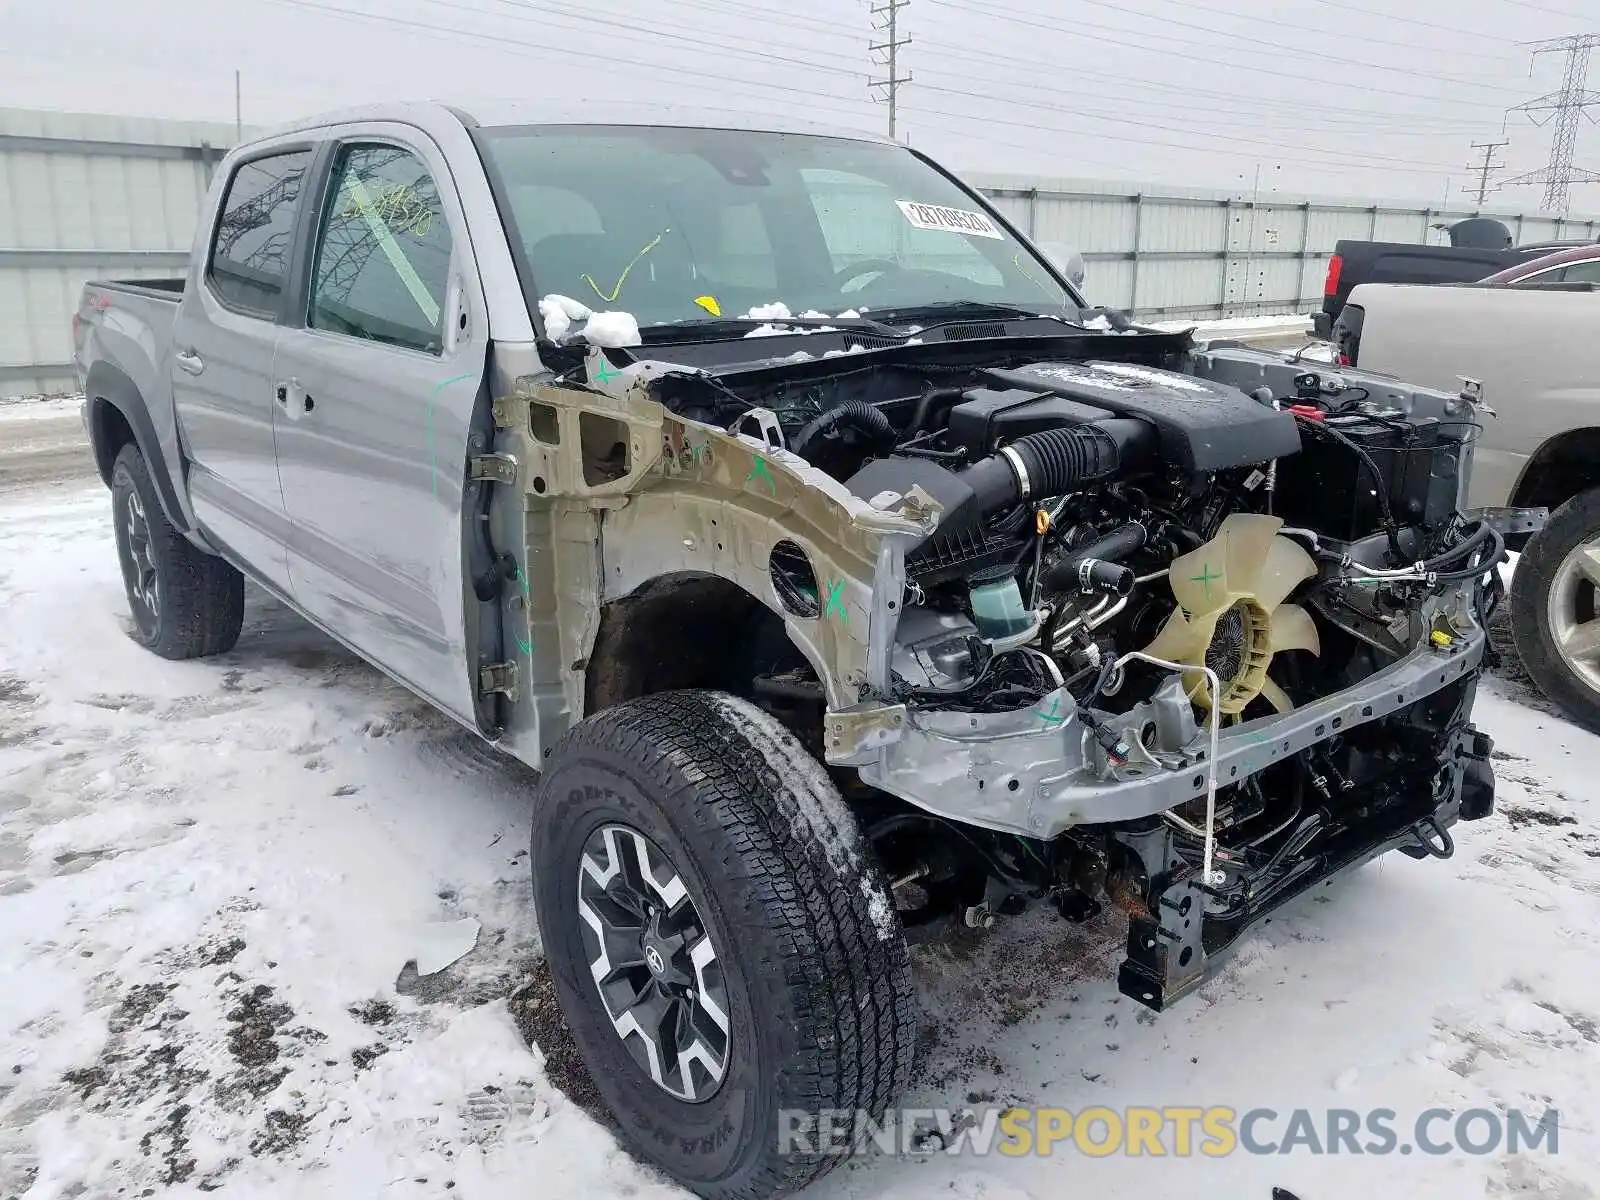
1163	560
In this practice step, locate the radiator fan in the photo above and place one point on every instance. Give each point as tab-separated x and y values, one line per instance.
1231	616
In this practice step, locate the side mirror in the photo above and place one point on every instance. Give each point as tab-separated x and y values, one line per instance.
1065	259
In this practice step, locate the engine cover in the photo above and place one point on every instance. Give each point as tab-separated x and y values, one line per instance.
1202	426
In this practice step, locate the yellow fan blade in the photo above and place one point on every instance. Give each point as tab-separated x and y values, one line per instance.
1276	696
1183	641
1286	567
1293	629
1198	579
1247	538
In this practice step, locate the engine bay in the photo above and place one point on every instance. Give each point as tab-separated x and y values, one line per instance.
1196	626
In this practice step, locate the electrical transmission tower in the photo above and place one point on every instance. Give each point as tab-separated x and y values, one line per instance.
1486	166
1570	101
886	20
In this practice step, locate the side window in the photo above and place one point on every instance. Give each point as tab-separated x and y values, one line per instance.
249	250
1583	272
383	252
1548	275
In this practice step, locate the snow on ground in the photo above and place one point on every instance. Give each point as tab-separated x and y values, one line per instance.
38	408
213	875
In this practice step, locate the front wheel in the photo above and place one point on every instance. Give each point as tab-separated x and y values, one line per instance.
1555	605
723	945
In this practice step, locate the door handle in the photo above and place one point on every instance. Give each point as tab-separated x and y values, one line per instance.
189	361
293	398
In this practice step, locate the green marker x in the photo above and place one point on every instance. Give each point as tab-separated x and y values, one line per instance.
1053	717
605	373
1205	579
836	601
760	470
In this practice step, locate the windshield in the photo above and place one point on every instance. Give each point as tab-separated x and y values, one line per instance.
675	224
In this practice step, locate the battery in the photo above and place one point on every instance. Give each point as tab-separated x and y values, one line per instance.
1327	486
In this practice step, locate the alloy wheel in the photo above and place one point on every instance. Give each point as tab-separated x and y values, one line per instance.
653	962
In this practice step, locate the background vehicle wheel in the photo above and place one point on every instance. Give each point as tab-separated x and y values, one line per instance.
1555	606
185	603
723	945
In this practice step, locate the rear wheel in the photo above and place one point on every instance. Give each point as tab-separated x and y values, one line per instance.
185	603
1555	603
723	945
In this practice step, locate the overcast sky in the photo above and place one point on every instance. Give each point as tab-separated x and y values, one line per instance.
1323	97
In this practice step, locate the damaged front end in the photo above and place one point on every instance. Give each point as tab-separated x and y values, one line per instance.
1078	618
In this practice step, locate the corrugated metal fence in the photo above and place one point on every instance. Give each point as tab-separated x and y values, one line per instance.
92	196
85	197
1165	252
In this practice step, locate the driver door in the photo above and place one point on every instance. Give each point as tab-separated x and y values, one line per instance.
376	384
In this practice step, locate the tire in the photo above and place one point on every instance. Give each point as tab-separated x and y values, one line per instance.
1550	596
185	603
813	975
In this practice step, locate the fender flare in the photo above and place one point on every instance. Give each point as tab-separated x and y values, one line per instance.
107	387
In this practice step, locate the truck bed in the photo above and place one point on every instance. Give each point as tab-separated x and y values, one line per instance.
170	289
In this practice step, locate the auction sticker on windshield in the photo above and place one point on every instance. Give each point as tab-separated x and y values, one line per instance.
952	220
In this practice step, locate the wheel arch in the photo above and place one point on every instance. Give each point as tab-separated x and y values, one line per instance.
117	414
678	630
1561	468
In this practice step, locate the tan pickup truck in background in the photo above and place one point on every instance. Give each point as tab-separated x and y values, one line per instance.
1535	350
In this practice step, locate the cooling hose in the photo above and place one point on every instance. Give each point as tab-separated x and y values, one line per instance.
854	414
1098	567
1054	462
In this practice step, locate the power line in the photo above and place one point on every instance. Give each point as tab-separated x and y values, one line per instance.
1299	26
886	20
1572	100
1486	166
1196	100
1113	133
1343	7
1115	122
1322	57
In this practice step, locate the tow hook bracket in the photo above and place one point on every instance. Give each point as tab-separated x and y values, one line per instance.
496	468
1426	831
851	732
498	679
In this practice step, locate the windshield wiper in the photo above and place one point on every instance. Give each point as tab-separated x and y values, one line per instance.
956	308
715	327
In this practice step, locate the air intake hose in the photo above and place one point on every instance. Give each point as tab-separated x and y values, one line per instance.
871	422
1053	462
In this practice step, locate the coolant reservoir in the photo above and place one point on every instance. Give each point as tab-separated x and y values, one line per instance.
997	608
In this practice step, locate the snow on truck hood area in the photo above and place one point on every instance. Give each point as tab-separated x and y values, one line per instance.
217	879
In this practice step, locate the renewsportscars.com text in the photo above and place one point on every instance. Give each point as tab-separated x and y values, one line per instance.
1169	1131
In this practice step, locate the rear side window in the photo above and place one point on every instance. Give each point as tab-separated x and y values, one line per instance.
1583	272
383	252
250	249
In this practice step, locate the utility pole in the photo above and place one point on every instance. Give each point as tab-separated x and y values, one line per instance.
886	20
238	111
1567	103
1485	167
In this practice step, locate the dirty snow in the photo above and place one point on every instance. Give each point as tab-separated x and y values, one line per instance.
776	311
213	874
39	408
559	314
610	329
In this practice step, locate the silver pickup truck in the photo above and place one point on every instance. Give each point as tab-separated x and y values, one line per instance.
1531	349
843	572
